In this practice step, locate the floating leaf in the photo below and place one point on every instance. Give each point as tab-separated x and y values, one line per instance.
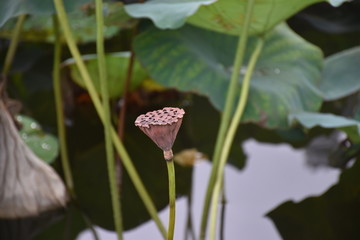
227	16
117	65
45	146
284	80
341	74
82	22
13	8
326	120
28	125
166	13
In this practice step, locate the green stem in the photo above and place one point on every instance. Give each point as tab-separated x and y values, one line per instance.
59	110
228	109
223	210
232	131
91	226
61	123
107	122
172	198
13	44
96	101
137	182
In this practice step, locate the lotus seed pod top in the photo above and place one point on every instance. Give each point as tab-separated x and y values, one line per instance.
162	127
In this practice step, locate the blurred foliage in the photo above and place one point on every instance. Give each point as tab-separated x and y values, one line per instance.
14	8
39	28
189	67
116	65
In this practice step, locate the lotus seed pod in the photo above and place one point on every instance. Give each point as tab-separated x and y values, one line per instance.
162	127
28	186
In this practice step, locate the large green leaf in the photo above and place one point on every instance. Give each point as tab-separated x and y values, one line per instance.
193	59
201	132
13	8
326	120
82	22
227	16
44	145
341	74
335	215
117	65
166	13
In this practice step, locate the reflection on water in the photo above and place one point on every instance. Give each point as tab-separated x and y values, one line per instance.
274	174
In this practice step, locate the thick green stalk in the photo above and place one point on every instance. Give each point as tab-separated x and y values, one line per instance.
172	198
110	157
13	44
226	116
96	101
59	110
231	134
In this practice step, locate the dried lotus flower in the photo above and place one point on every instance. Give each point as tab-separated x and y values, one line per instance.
28	186
162	127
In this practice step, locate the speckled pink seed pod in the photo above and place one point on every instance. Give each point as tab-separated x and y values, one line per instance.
162	127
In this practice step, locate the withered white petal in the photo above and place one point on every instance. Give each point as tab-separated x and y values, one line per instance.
28	186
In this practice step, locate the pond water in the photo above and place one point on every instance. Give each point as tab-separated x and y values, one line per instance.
273	174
